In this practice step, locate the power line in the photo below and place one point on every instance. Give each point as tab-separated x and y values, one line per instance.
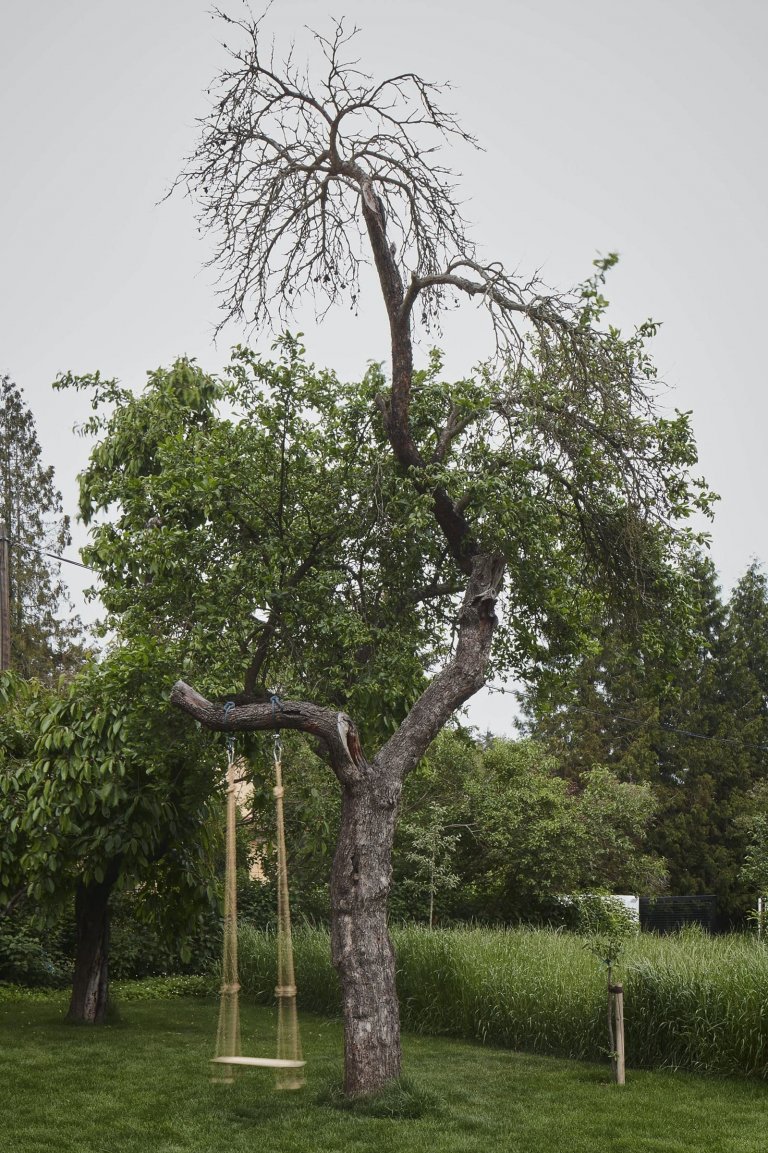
65	559
500	688
44	552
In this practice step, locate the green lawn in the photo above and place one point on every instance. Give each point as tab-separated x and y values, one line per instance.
142	1086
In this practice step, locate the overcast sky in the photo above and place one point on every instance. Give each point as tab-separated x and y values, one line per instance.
608	125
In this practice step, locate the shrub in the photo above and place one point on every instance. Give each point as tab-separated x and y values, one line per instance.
31	955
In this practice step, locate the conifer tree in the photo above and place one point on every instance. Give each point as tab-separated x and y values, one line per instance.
695	728
45	636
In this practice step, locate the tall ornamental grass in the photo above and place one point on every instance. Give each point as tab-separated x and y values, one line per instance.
318	985
691	1001
698	1002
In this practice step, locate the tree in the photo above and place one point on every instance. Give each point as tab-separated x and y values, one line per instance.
694	728
100	790
430	857
309	559
516	836
547	482
536	837
754	870
42	643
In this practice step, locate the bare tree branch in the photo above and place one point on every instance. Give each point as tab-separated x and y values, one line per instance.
303	177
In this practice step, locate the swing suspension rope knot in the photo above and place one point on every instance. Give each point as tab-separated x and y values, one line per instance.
277	749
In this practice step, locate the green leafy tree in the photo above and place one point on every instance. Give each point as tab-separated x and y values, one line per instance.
521	837
537	837
256	520
608	926
754	870
46	640
102	790
611	706
429	859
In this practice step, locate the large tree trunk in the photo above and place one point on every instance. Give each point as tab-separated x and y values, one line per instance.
90	984
363	953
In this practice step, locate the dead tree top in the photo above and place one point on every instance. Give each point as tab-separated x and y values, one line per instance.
303	176
291	163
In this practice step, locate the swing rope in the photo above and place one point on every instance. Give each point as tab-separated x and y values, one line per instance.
228	1032
288	1038
288	1064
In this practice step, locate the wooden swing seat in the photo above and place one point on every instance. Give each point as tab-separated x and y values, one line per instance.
262	1062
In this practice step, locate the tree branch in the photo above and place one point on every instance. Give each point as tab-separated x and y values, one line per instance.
461	677
335	729
293	174
433	591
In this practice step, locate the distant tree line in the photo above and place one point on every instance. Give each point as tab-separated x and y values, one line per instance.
46	637
695	730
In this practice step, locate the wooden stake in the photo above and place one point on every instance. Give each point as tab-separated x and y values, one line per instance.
5	598
617	1057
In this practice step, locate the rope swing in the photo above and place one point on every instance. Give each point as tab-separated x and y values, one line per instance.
288	1064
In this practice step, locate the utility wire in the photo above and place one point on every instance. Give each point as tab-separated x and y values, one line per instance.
500	688
52	555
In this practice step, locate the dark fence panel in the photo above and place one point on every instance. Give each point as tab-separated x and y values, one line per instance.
667	914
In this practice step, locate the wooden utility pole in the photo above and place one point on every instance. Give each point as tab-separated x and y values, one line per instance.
5	598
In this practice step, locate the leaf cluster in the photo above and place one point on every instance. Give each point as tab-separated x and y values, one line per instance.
102	779
257	523
515	834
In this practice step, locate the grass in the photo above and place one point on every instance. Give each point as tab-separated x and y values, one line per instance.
691	1001
143	1084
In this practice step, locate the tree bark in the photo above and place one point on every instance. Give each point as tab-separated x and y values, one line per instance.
362	951
90	984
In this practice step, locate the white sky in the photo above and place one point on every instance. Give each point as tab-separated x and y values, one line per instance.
622	125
